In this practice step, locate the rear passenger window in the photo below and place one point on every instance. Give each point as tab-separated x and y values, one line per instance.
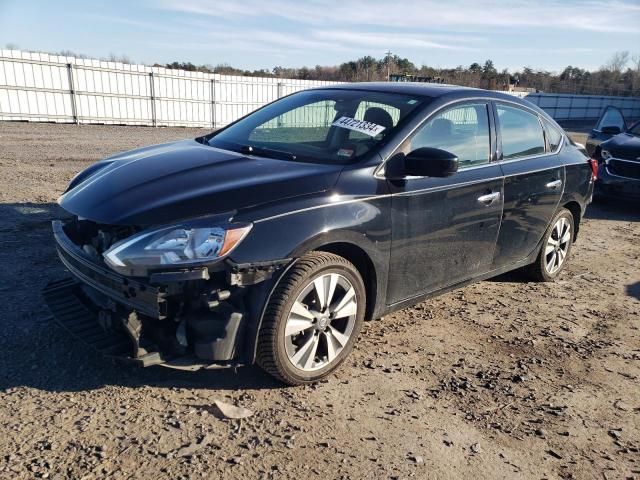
554	136
521	133
462	130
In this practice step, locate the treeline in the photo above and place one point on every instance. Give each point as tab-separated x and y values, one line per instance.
619	76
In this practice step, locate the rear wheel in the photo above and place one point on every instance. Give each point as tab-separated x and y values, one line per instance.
312	320
556	247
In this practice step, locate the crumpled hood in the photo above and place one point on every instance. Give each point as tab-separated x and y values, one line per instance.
623	146
175	181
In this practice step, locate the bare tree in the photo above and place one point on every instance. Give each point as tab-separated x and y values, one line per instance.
118	58
635	60
618	61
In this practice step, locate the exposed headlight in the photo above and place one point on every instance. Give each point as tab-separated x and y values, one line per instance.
178	245
605	154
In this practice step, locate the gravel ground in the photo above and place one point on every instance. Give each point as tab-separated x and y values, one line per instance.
502	379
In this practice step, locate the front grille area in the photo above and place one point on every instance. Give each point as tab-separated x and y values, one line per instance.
624	169
145	299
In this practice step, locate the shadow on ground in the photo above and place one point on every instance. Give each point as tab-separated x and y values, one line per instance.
618	210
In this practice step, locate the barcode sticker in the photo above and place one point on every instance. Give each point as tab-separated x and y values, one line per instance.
368	128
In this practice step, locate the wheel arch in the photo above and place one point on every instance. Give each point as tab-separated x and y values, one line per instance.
370	271
576	211
363	263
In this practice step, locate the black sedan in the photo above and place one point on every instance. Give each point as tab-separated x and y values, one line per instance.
617	149
273	239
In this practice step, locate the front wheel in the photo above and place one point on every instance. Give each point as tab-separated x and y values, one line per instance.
556	247
312	320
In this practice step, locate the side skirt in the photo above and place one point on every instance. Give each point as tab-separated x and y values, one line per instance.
492	273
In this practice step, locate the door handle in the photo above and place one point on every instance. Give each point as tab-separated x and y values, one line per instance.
489	198
554	185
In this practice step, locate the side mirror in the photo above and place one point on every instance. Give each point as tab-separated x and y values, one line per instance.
611	130
430	162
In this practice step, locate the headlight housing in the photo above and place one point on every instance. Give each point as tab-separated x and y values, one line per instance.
180	246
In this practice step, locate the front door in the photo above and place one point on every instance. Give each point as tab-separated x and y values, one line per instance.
533	181
445	229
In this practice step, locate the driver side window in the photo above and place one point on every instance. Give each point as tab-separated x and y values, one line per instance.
611	117
462	130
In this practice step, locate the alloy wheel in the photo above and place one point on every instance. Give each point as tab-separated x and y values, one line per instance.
320	322
557	245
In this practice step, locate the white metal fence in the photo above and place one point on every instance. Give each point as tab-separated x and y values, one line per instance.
52	88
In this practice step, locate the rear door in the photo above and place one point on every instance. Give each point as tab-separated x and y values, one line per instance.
610	117
444	230
534	180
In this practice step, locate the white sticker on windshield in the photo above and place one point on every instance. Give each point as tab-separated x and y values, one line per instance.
368	128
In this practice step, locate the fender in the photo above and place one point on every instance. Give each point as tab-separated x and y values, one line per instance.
261	294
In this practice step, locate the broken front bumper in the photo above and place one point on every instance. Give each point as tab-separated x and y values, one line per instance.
75	312
188	323
143	298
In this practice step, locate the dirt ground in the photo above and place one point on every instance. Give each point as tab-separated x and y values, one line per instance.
502	379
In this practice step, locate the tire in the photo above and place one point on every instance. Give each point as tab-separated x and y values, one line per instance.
292	357
540	269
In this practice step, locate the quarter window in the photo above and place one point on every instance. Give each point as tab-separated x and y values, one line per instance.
554	136
461	130
521	133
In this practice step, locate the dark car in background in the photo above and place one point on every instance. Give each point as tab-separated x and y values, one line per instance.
274	238
617	150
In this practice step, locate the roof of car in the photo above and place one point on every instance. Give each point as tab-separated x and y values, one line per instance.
418	88
432	90
411	88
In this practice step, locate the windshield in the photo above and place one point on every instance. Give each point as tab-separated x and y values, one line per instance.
327	126
635	130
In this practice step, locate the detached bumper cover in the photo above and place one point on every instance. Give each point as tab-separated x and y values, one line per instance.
75	314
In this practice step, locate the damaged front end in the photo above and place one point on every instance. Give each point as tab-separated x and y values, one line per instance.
185	316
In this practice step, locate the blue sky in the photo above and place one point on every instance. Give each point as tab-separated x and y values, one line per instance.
546	34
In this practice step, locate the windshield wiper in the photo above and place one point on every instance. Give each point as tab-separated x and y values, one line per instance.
267	152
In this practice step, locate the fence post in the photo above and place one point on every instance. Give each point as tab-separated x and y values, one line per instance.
213	103
279	92
571	107
72	92
152	94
